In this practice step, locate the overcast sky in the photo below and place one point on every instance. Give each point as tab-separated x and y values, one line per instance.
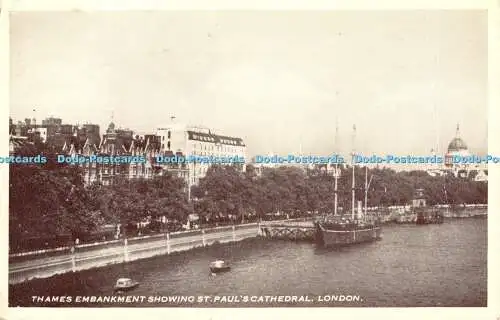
277	79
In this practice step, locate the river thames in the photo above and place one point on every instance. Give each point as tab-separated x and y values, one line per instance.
412	266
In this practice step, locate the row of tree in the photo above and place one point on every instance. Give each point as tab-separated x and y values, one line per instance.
226	191
49	199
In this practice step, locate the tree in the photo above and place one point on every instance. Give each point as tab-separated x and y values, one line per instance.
131	201
47	199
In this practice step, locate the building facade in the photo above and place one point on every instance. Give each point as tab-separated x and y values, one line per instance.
458	148
116	142
199	141
85	140
53	132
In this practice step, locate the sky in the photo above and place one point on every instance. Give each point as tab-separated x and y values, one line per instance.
279	80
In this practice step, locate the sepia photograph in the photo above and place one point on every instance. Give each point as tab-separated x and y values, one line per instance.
248	159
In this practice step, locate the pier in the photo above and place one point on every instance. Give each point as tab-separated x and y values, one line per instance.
289	230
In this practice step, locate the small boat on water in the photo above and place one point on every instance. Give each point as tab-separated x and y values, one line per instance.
125	284
219	266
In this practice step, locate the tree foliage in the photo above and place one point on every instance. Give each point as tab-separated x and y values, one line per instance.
48	198
226	192
51	198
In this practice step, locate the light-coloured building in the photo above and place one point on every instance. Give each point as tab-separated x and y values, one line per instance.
458	148
42	132
199	141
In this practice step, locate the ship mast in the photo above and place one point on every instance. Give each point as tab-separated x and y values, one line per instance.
353	168
336	173
366	189
367	186
435	107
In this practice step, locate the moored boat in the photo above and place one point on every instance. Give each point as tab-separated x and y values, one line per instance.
429	216
125	284
219	266
340	230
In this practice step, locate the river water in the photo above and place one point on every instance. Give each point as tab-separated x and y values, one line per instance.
412	266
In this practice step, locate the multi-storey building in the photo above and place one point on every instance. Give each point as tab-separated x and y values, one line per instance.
116	142
51	121
123	142
53	132
169	141
199	141
85	140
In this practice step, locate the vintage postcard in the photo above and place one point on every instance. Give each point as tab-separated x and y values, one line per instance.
301	161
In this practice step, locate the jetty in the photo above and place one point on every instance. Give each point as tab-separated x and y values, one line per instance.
289	230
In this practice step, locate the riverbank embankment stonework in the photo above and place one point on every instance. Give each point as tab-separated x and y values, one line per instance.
44	264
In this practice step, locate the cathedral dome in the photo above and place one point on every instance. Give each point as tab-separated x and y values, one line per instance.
457	147
457	144
111	127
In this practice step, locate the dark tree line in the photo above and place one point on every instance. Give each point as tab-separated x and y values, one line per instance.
51	199
290	190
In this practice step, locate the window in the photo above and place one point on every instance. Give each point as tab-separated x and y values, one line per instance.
168	134
168	145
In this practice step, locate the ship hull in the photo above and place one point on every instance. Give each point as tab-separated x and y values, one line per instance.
337	238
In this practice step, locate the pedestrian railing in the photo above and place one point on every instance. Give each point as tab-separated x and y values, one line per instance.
106	244
118	251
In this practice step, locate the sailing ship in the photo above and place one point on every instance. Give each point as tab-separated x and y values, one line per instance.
341	230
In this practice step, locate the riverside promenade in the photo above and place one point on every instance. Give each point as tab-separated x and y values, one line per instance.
42	264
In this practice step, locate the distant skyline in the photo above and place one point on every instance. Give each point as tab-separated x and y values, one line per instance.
279	80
